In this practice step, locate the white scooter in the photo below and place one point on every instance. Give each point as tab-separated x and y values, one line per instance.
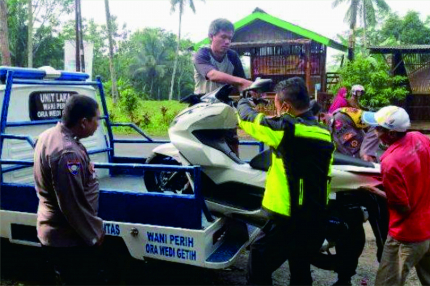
234	188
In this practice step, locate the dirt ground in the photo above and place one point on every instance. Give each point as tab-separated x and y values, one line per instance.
24	266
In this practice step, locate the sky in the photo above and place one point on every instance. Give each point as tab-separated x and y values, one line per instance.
316	15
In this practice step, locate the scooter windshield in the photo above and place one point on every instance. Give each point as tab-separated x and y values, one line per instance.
221	94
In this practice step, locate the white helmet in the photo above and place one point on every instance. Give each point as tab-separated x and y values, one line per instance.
356	88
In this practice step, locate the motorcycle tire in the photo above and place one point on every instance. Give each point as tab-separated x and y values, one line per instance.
166	181
356	241
325	261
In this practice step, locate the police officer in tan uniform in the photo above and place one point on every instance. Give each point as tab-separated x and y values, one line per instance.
350	135
67	186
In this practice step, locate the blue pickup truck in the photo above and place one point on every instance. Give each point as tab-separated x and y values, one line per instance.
171	227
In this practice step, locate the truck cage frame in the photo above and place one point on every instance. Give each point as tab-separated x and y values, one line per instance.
188	205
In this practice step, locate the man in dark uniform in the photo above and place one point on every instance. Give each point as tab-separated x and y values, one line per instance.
67	186
297	184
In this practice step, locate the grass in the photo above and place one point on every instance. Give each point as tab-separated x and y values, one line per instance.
153	117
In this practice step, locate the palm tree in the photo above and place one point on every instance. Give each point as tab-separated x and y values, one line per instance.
152	59
181	4
30	35
4	35
115	94
365	9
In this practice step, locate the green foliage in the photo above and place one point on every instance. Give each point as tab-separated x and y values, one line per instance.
153	117
129	102
155	50
47	46
409	30
392	30
381	88
362	10
143	61
97	34
181	4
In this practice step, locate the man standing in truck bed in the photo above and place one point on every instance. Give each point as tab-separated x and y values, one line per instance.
217	65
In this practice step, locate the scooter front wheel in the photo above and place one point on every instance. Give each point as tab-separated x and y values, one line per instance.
176	182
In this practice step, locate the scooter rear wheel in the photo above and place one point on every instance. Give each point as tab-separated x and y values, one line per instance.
166	181
347	252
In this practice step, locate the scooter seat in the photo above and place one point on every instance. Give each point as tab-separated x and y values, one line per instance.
262	161
341	159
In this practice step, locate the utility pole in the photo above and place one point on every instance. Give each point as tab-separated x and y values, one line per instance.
77	52
80	60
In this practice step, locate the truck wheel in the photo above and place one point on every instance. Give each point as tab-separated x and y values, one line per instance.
166	181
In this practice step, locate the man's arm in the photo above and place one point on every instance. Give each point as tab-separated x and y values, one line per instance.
69	179
203	65
375	190
237	63
369	146
268	131
238	77
221	77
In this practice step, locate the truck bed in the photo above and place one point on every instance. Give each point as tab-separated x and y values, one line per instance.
124	183
127	183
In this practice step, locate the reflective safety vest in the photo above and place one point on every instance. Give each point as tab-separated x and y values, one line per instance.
302	157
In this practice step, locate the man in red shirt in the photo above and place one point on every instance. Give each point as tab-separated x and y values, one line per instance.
405	168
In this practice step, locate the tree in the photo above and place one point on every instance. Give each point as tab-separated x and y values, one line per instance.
364	9
181	4
111	60
47	15
413	30
98	35
409	30
185	78
4	35
151	60
374	74
30	35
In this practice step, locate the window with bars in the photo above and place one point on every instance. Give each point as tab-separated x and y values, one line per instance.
285	60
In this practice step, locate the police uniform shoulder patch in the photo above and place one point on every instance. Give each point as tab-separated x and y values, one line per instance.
354	143
74	166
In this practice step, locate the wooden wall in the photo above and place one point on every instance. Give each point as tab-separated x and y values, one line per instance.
262	31
418	107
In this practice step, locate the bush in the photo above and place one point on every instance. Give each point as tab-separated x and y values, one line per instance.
381	88
129	102
153	117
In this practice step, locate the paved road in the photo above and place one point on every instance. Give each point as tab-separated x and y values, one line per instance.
21	266
144	150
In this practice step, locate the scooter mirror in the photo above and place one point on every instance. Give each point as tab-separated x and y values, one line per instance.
223	93
260	85
191	99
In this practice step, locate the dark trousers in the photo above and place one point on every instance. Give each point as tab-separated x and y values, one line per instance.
279	241
349	250
76	265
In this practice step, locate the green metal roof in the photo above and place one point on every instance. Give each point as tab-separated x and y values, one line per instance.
283	25
405	49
